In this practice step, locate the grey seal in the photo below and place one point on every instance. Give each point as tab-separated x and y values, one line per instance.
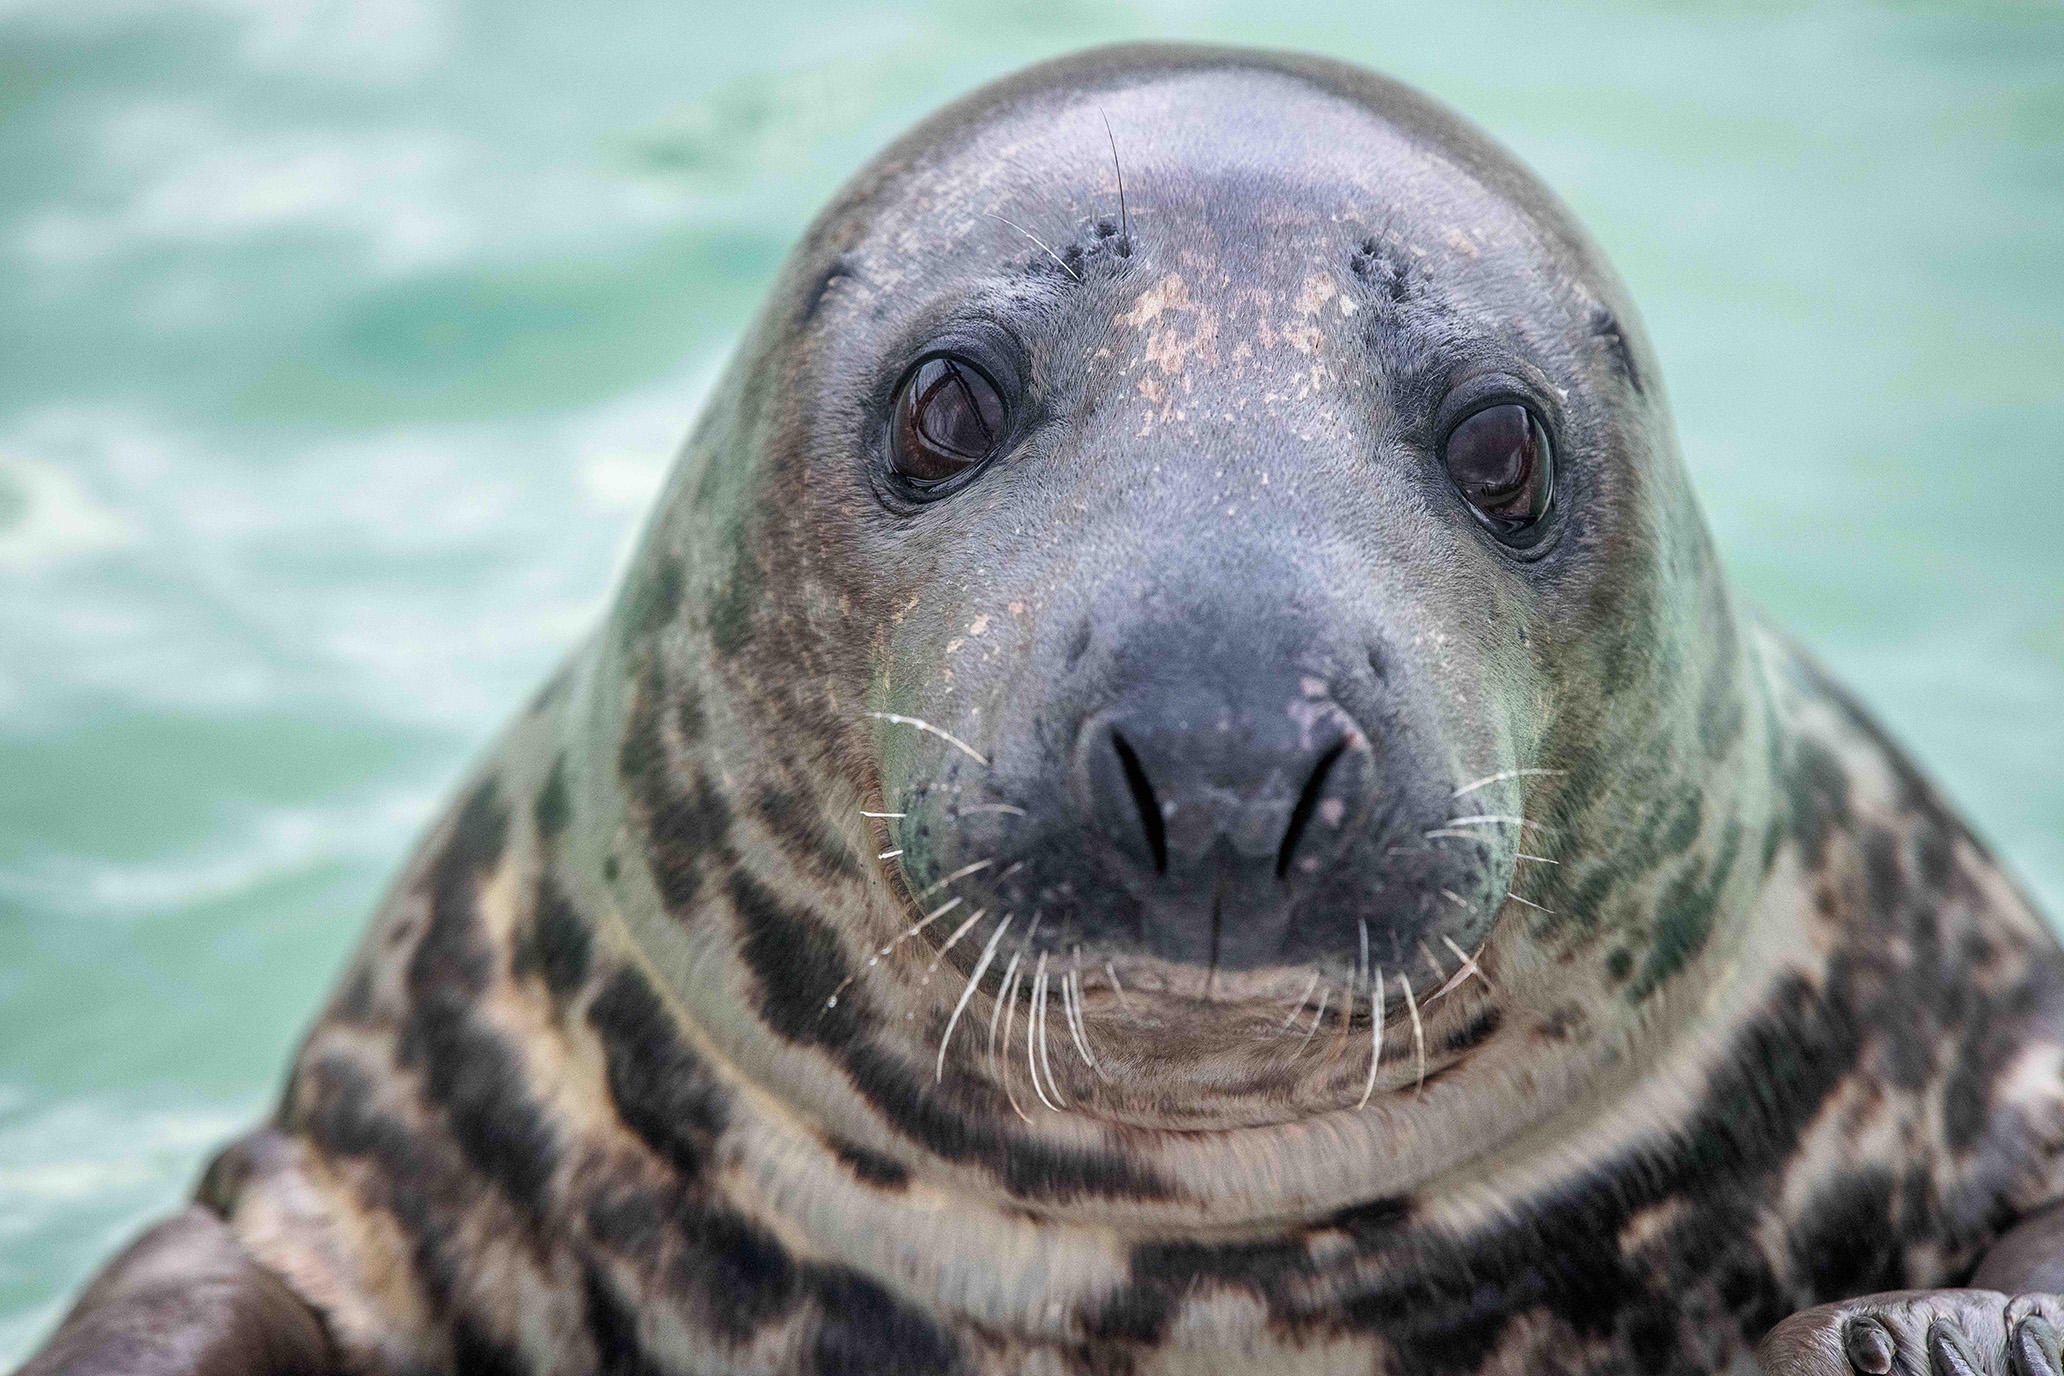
1175	787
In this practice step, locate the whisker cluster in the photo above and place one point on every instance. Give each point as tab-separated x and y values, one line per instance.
1034	969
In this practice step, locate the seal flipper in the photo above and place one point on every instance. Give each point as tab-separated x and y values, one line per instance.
1919	1333
186	1298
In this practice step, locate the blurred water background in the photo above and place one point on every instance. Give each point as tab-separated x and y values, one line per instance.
343	343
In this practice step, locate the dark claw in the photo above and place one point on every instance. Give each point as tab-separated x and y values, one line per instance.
2033	1349
1949	1351
1868	1344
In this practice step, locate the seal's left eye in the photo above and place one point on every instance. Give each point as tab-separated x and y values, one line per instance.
949	415
1501	460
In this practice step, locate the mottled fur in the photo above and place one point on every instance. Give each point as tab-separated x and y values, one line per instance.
621	1079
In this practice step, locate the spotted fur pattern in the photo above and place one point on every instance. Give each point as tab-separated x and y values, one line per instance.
632	1073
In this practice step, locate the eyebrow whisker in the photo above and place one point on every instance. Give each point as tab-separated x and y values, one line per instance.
1042	248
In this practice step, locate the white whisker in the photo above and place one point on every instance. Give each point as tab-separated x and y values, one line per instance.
1317	1017
1111	973
947	736
927	920
958	933
1080	1027
1537	859
1469	965
974	980
888	855
1487	820
963	872
1037	240
1530	903
1045	1055
884	814
1302	1000
1375	1040
1418	1036
1007	1004
1457	900
1035	1034
1502	776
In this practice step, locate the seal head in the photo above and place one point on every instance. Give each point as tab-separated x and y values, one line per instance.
1219	594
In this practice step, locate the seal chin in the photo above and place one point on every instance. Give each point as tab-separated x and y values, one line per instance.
1102	999
1137	1043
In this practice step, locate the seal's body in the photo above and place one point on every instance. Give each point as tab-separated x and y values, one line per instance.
1175	788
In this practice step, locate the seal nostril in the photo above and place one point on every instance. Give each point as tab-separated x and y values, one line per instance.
1143	798
1307	803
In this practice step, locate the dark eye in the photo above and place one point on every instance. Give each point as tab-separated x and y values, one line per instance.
1501	459
949	415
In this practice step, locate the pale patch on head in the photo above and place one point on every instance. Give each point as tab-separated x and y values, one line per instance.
1169	348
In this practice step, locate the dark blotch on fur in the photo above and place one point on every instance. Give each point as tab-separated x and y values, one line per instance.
554	944
1684	915
738	1277
731	622
882	1172
1482	1025
1817	790
660	1088
554	808
799	829
476	1352
468	1069
1846	1242
1996	1032
800	965
863	1330
685	832
613	1329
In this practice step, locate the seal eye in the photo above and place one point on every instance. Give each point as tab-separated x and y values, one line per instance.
949	416
1501	459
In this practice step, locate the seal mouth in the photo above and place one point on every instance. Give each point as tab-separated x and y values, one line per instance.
1133	1039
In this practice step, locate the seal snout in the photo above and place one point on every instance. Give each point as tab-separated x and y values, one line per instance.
1206	798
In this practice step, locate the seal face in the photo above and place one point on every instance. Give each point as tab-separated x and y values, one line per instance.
1174	786
1225	578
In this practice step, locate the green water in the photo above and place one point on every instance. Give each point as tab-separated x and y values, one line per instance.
341	345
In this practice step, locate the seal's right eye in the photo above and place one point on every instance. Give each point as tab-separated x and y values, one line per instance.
1501	459
949	416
